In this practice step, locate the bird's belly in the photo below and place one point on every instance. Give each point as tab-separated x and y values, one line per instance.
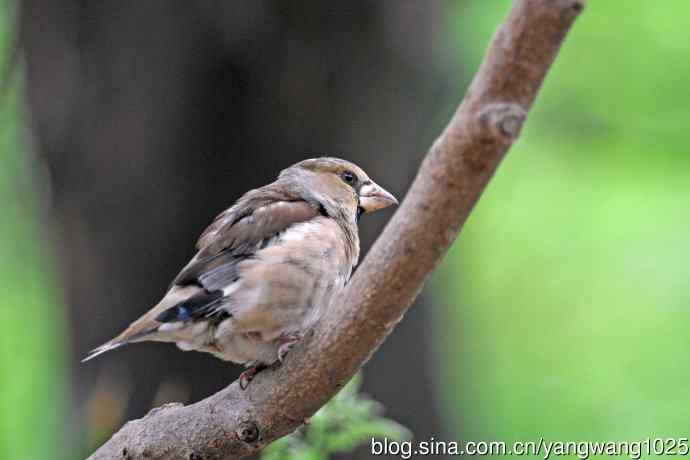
245	349
285	289
254	337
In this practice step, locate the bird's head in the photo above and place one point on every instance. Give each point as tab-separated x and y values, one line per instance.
339	185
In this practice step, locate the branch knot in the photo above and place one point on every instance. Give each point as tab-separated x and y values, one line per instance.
503	120
248	432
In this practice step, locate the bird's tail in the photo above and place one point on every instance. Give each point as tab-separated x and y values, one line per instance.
129	335
109	345
147	326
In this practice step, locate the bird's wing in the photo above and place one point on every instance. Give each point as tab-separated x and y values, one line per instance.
233	236
257	215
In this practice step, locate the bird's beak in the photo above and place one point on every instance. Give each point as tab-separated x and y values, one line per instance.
372	197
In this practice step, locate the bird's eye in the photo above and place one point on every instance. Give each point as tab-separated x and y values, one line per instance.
349	177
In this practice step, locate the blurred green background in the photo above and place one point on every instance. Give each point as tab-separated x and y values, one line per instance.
566	295
561	311
32	338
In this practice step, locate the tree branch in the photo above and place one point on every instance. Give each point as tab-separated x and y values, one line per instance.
234	423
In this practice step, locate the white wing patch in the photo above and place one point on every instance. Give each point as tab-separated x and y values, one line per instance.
299	231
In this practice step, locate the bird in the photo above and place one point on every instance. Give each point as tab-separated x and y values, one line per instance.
266	268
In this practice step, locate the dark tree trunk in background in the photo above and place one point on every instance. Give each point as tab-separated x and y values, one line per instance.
154	116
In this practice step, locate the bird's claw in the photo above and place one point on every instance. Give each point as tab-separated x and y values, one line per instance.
247	376
287	342
284	349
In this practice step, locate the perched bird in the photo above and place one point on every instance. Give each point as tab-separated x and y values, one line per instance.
266	268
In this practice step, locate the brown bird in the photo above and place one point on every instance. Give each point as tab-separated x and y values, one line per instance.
266	268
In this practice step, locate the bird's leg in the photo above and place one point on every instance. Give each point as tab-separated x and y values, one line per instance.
248	375
287	341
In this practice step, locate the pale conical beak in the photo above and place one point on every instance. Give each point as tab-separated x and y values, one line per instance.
372	198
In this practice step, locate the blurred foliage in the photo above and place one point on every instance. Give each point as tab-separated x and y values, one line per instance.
31	352
563	307
349	420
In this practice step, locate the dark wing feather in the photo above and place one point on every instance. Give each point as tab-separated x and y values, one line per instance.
218	270
256	203
198	306
241	235
238	233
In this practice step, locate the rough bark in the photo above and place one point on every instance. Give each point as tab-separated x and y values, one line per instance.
234	423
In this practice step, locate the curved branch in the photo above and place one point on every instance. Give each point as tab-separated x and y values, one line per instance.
234	423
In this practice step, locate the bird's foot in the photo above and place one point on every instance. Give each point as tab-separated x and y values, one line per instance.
247	376
287	341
